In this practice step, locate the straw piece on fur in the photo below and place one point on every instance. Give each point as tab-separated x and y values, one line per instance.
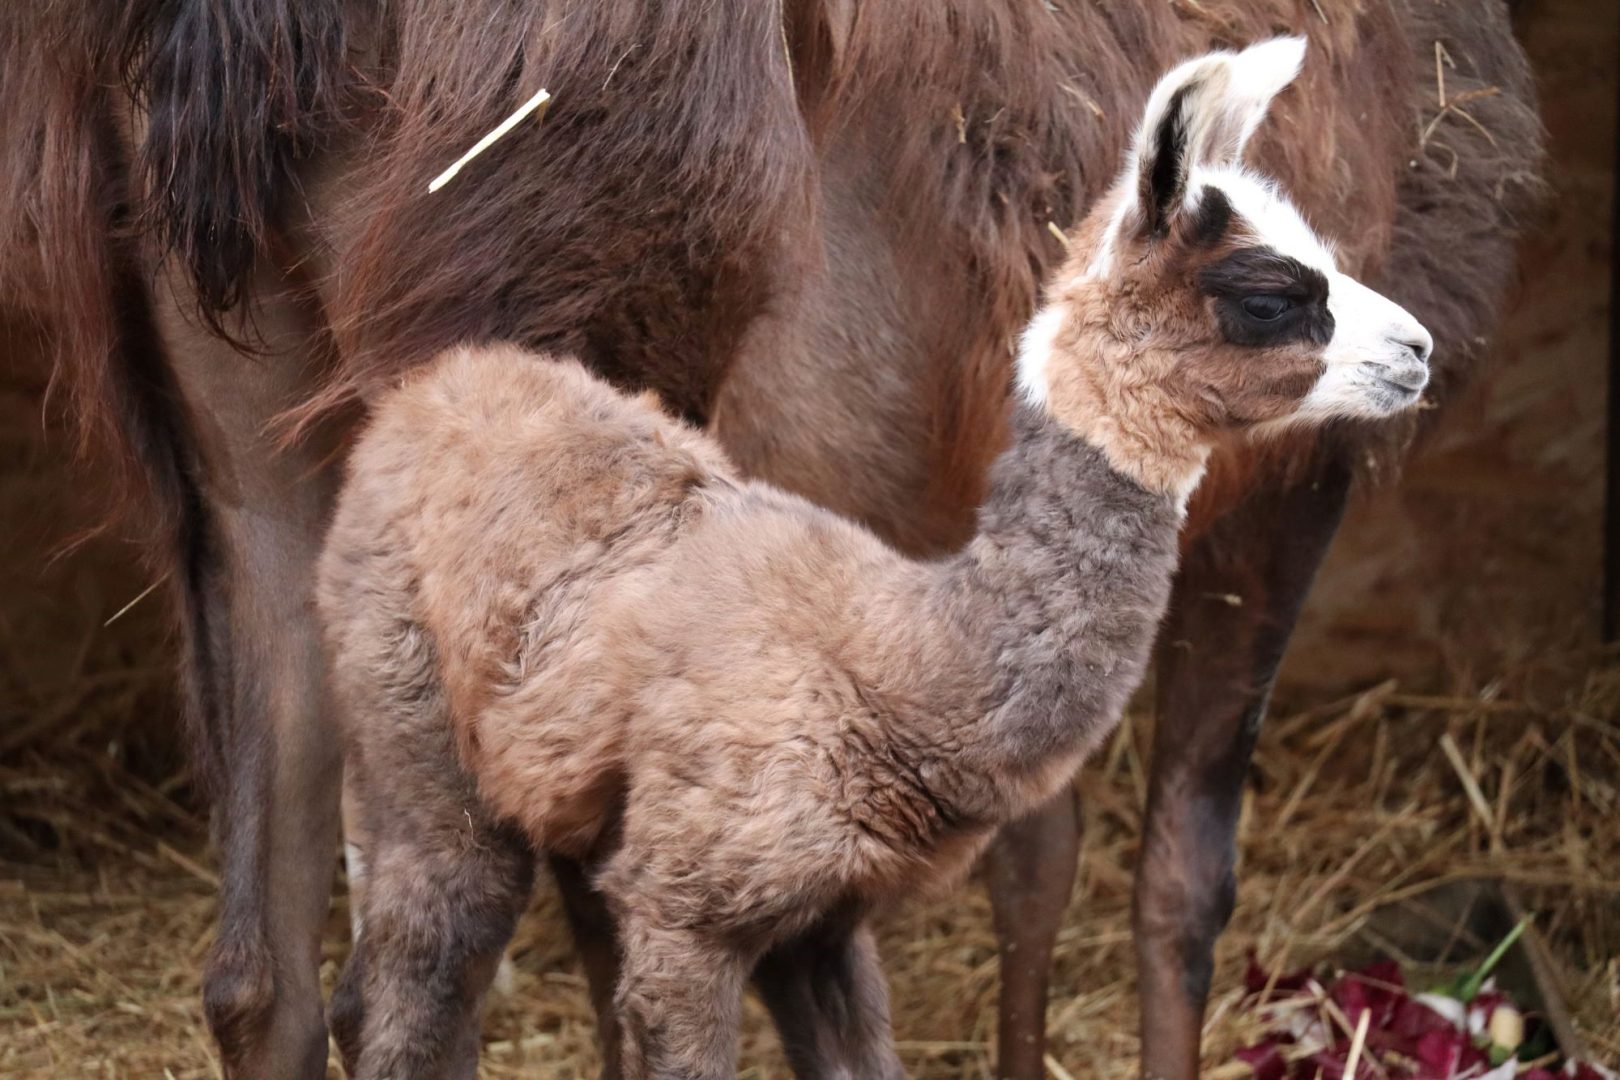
539	99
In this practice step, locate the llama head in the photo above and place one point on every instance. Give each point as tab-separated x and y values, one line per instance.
1197	303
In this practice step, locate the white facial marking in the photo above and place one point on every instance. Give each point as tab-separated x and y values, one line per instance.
1275	221
1035	354
1377	363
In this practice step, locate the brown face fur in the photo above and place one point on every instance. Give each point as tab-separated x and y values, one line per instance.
1162	379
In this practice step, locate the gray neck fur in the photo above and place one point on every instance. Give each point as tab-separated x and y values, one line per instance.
1064	585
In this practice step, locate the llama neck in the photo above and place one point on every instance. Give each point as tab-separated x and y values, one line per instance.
1064	585
1109	390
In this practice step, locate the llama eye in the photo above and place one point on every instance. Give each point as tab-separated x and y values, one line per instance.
1266	307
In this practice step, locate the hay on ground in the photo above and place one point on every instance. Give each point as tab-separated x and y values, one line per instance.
106	893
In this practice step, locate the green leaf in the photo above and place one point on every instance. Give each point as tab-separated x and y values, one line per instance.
1468	986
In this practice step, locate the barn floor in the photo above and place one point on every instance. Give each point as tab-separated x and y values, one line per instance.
1457	611
1352	806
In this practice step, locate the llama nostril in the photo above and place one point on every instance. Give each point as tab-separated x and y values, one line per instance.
1418	343
1420	350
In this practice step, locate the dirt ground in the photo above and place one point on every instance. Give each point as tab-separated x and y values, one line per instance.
1458	609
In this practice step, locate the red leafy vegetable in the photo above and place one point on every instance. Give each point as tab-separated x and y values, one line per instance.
1265	1059
1406	1038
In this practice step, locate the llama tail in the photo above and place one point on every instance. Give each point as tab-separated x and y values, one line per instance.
72	281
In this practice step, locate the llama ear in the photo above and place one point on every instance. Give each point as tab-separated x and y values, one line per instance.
1203	113
1254	77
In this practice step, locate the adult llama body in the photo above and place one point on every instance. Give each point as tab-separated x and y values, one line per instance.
815	225
561	622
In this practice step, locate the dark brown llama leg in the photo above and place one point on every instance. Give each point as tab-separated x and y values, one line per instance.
826	991
1031	876
1235	602
444	888
253	672
275	815
597	941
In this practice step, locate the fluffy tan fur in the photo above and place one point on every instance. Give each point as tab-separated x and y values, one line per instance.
560	621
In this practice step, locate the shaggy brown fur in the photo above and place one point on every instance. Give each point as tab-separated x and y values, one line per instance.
861	360
640	225
561	622
1043	93
1048	100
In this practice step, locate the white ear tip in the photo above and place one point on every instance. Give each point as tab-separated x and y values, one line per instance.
1264	69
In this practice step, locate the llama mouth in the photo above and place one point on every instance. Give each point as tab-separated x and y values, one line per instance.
1404	376
1399	393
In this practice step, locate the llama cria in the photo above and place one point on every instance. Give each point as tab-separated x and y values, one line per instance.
560	622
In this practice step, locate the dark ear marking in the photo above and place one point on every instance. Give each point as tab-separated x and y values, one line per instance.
1209	222
1161	183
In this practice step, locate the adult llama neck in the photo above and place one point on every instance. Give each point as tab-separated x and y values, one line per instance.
1064	584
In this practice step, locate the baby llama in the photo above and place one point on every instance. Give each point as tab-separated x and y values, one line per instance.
560	622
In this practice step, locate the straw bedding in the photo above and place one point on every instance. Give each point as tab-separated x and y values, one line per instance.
106	895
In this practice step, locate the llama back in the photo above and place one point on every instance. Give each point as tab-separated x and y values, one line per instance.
492	502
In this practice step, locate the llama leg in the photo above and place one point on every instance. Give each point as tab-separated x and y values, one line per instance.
443	893
443	882
346	1006
825	990
275	822
1031	876
244	556
597	941
679	1002
355	845
1216	670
